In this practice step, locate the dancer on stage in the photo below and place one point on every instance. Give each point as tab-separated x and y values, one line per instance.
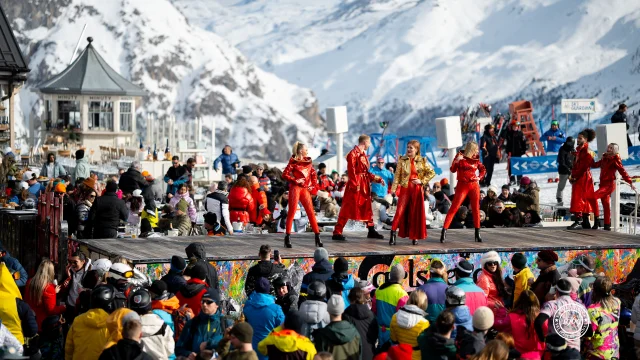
466	164
356	203
412	174
303	182
609	164
582	199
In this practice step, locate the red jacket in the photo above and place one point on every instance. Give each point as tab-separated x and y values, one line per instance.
259	198
48	306
301	173
525	337
466	169
356	203
581	180
325	182
241	205
486	283
609	164
191	294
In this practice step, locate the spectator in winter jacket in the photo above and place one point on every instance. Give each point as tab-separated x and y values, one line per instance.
324	181
340	337
115	324
192	292
443	204
106	213
557	348
388	299
489	147
8	340
130	347
177	217
475	296
505	194
261	212
522	319
263	179
83	208
15	314
409	322
435	289
163	302
82	166
455	302
554	138
437	343
155	191
157	336
262	313
360	316
183	194
565	164
205	330
340	282
529	199
40	293
239	336
217	202
18	272
472	342
241	204
286	342
78	267
286	295
522	275
175	176
491	282
197	254
314	309
174	279
52	169
380	190
229	160
263	269
585	267
132	179
620	116
514	144
321	270
548	277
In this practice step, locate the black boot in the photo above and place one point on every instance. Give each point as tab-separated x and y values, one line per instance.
287	241
607	227
443	235
414	242
596	224
338	237
586	224
373	234
576	224
392	238
478	238
318	241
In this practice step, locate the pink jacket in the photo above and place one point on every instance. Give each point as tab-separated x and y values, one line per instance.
192	208
485	282
525	337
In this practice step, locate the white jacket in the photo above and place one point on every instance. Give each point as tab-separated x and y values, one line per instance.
315	315
159	346
7	340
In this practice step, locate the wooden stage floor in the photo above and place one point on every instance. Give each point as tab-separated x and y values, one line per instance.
245	247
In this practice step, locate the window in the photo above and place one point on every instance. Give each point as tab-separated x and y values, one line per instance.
126	117
101	115
68	115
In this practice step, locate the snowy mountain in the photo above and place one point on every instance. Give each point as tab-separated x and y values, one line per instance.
185	70
408	61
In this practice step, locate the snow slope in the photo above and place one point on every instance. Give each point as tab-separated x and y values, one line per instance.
186	71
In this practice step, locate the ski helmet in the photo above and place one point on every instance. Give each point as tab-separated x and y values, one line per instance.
140	301
120	271
102	297
455	296
317	290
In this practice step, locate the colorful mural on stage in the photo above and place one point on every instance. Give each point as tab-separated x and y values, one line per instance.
615	263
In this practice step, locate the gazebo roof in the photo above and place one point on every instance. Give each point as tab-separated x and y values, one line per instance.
89	74
11	59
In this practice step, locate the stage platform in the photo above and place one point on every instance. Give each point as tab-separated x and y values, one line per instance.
615	253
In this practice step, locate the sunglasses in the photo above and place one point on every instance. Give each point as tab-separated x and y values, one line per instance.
208	302
493	263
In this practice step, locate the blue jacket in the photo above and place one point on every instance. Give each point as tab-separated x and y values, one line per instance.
15	267
166	317
174	281
58	170
321	270
227	163
381	190
435	289
554	145
202	328
35	190
463	317
340	286
264	315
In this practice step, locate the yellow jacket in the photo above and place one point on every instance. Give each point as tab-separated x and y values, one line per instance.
521	281
406	325
114	325
8	306
403	172
287	342
152	217
88	336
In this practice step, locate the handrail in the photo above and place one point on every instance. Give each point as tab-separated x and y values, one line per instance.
633	219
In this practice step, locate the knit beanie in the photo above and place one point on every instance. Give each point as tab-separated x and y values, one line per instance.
525	180
518	260
465	267
340	266
444	181
563	286
294	321
212	294
263	286
483	318
79	154
396	275
178	263
548	256
335	305
243	332
400	352
198	271
320	254
111	187
158	288
489	257
182	205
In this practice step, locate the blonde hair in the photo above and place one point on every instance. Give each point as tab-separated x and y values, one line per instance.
616	148
471	146
297	147
438	268
416	144
363	138
419	299
43	277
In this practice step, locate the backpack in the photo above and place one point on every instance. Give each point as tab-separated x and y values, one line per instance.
180	318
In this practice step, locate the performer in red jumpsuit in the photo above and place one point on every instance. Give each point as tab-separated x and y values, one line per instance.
582	200
609	164
466	165
356	203
412	173
303	182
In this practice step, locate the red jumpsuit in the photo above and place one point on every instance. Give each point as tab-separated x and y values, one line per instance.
582	200
259	199
608	165
303	181
356	203
410	215
467	186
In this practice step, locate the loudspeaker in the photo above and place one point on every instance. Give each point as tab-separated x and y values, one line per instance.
612	133
448	132
337	122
